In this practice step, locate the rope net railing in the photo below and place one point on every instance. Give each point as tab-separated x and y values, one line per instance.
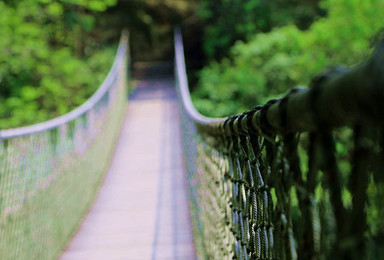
301	177
50	172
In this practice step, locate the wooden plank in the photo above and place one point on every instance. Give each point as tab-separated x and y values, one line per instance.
141	211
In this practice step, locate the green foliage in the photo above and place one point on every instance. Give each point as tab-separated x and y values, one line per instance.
94	5
48	63
271	63
231	21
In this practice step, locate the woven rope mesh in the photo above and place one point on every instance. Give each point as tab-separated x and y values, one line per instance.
256	193
50	175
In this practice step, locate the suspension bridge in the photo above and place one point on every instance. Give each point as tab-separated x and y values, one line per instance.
300	177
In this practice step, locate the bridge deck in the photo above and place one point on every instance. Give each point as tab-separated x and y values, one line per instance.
141	211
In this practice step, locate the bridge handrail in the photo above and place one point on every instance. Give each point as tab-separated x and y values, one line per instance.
50	172
279	181
182	79
77	112
346	96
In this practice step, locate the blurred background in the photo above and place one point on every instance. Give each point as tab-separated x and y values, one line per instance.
55	53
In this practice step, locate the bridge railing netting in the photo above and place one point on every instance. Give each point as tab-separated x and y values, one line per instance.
301	177
50	172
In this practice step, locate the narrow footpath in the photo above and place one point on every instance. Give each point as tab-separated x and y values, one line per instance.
141	211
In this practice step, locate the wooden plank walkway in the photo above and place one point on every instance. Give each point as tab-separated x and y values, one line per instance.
141	211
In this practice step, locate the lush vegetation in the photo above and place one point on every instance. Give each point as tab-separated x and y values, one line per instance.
271	63
49	61
227	22
55	53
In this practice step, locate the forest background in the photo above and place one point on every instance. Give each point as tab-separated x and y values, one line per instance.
55	53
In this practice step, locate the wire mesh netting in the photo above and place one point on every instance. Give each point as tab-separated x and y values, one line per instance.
50	172
300	177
